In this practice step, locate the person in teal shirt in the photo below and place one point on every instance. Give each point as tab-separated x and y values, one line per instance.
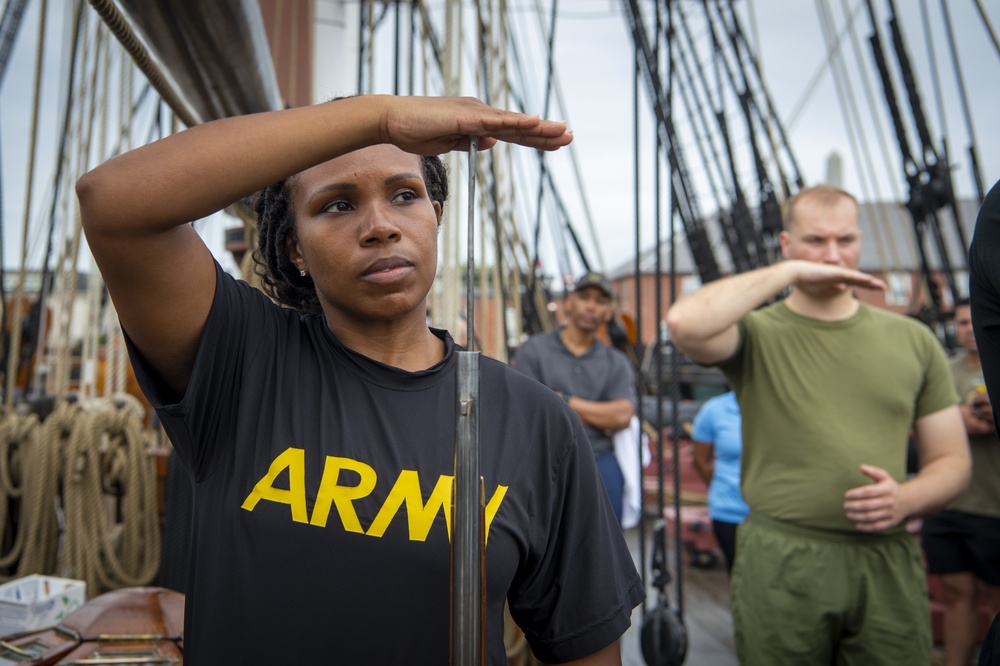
718	445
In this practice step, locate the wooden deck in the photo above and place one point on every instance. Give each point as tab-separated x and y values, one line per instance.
706	614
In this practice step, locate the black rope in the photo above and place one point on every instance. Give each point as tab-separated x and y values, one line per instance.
751	241
685	79
640	376
932	64
769	226
661	574
977	178
931	189
675	429
740	36
10	28
730	236
545	114
687	204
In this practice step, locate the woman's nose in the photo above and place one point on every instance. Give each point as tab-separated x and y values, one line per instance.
380	228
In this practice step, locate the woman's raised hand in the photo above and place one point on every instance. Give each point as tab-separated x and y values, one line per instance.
435	125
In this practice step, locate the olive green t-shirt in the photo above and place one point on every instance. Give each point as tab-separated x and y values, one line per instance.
820	398
983	494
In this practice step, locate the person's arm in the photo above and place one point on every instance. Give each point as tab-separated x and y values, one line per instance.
607	656
945	466
704	460
703	325
137	206
977	418
603	415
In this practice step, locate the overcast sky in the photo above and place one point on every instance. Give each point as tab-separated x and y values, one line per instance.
594	69
595	47
594	64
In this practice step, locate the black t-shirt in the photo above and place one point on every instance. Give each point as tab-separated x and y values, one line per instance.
984	293
322	487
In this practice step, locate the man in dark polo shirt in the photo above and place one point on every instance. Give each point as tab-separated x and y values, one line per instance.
594	379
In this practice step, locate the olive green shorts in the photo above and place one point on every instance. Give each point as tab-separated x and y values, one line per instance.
803	596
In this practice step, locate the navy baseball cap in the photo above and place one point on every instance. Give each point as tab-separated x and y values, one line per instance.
593	279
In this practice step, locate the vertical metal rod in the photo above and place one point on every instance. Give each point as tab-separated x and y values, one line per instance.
468	647
470	262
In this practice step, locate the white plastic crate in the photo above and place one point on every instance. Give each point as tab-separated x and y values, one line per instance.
37	601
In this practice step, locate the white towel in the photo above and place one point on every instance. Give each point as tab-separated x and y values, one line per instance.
628	447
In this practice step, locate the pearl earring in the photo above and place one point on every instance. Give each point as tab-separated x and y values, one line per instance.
302	272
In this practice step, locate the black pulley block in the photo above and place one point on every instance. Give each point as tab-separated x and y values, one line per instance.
664	638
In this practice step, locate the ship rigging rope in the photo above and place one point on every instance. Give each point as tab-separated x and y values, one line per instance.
123	32
988	25
481	77
897	194
509	277
446	313
852	118
68	275
14	346
114	370
90	361
574	158
108	452
817	76
881	223
932	62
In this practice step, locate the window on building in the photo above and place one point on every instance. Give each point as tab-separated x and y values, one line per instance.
899	290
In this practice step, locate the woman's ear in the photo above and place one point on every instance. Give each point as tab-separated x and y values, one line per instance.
294	251
438	210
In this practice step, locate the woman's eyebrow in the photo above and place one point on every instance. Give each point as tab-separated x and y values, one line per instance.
402	176
331	187
349	186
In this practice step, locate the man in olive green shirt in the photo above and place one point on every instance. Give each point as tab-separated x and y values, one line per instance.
829	389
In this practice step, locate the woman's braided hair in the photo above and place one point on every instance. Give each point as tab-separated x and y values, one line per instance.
280	278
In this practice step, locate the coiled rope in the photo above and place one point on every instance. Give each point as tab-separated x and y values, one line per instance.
109	453
17	434
42	467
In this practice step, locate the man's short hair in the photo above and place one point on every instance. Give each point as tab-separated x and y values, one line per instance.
823	194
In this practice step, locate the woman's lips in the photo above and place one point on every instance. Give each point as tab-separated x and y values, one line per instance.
388	270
